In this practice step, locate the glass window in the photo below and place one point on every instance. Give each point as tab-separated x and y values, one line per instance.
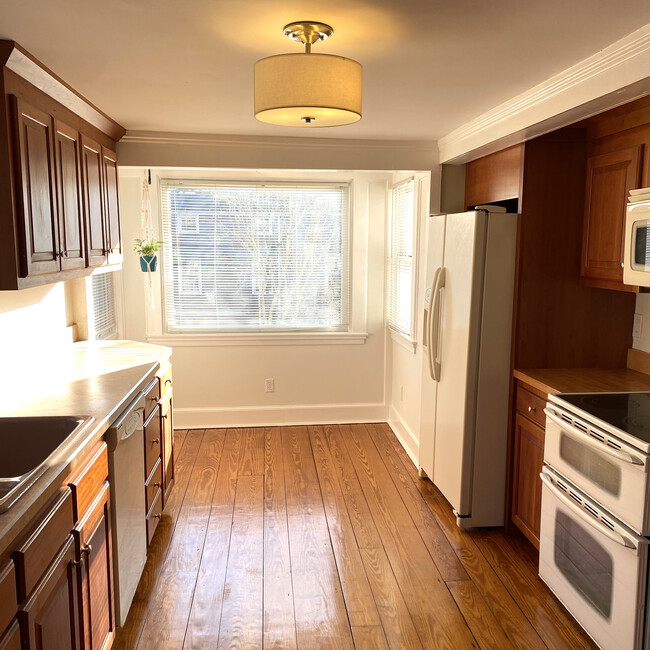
103	305
250	257
400	262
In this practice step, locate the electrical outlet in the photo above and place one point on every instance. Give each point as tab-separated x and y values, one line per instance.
269	385
637	331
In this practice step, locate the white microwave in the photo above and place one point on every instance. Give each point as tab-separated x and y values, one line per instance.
636	254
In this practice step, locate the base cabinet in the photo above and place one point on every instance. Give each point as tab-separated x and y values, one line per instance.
49	617
527	462
10	640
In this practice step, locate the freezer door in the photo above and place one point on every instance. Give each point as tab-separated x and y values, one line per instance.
435	241
464	260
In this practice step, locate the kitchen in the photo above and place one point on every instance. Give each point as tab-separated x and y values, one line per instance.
284	506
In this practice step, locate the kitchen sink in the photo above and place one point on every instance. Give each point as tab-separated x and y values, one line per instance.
28	446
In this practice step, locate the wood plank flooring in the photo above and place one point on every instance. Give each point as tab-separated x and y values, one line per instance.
325	537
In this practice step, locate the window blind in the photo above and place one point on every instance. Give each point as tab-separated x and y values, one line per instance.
254	256
400	263
105	322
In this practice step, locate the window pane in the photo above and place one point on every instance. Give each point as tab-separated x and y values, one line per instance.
105	322
400	263
246	256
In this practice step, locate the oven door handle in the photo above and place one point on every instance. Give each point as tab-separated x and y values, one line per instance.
585	437
588	519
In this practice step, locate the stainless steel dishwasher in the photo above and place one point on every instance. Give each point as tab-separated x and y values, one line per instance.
128	516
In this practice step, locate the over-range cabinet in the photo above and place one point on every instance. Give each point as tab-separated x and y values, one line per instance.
58	177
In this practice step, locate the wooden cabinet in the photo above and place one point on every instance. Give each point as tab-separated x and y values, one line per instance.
610	177
527	461
95	578
167	421
72	242
10	640
36	190
58	178
112	225
91	157
48	619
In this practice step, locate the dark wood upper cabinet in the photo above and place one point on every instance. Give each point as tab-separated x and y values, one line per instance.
58	177
70	206
111	205
610	177
35	192
91	164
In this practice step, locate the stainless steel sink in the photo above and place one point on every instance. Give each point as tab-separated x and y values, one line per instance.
28	446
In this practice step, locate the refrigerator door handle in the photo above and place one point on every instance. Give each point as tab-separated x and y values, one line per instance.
429	335
435	318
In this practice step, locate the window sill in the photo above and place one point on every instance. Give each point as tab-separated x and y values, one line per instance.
403	340
257	338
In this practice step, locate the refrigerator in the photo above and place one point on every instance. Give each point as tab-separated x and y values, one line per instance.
467	326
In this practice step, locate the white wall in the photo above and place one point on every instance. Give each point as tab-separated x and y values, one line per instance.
222	384
33	320
405	361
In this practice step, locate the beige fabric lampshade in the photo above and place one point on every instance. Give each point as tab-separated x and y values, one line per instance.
309	90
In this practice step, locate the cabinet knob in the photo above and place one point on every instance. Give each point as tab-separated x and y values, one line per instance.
87	549
158	516
168	381
532	409
164	416
155	441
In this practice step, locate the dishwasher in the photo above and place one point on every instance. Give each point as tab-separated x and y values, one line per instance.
125	443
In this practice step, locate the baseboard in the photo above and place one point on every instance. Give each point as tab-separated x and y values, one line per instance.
267	416
402	431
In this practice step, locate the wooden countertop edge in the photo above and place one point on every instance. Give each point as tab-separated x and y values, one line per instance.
27	509
535	383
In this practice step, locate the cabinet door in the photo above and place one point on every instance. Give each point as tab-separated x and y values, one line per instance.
49	617
168	446
527	486
35	191
91	168
111	205
609	179
70	207
93	537
10	640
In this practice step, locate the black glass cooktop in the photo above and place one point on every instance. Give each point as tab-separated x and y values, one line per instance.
629	412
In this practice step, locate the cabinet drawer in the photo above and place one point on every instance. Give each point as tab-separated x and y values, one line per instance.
86	482
154	484
8	599
531	406
40	548
152	441
153	518
10	640
165	375
152	397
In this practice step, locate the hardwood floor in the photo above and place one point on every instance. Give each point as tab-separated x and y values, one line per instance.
325	537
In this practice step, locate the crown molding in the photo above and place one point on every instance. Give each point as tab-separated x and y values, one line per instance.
271	142
615	75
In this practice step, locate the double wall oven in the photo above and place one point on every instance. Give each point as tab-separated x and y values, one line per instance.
595	515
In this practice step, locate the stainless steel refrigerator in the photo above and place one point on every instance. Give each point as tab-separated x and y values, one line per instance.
470	267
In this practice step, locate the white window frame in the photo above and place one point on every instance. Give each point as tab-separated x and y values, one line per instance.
406	340
358	223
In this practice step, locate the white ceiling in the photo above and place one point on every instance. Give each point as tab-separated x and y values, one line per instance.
429	65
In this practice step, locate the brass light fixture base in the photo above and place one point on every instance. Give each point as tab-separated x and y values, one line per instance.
308	32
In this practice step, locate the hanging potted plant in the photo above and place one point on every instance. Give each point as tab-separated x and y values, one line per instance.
147	249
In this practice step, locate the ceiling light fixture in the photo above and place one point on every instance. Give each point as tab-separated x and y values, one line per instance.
308	90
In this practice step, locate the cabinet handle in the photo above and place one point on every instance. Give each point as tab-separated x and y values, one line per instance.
87	549
168	381
155	441
532	409
78	562
158	516
158	485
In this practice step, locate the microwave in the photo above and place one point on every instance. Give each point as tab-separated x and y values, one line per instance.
636	253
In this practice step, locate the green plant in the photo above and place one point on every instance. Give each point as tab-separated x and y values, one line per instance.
147	247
